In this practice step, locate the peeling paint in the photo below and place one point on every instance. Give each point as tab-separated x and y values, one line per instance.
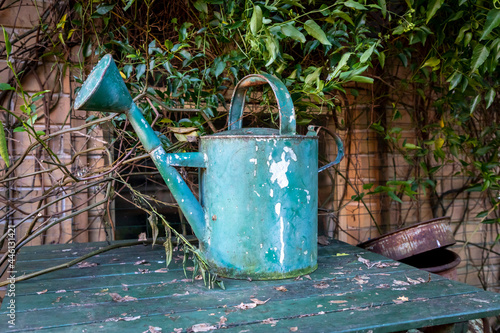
291	153
279	171
282	241
277	208
308	196
253	160
257	193
271	193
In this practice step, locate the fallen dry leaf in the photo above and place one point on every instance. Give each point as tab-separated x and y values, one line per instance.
117	298
198	277
400	283
162	270
307	277
321	285
222	320
61	291
245	306
401	299
361	279
294	329
142	237
141	262
124	287
383	285
85	264
365	261
337	302
123	319
58	299
417	281
281	288
186	293
177	330
259	302
323	240
153	329
270	321
203	327
41	292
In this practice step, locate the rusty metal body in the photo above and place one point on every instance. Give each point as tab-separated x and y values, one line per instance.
413	240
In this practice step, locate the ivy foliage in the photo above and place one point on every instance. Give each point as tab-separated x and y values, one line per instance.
323	51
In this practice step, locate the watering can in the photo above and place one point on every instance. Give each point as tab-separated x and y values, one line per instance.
256	216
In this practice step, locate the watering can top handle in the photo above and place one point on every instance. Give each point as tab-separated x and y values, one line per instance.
283	98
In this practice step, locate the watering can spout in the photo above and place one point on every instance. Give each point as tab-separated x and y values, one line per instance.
104	90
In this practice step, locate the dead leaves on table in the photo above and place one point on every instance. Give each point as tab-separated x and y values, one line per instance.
378	264
85	264
117	298
255	302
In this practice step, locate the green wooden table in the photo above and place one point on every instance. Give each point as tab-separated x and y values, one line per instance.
129	290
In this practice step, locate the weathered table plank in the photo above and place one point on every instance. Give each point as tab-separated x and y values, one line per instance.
344	294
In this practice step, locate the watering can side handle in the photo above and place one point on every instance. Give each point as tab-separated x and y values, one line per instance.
283	98
340	153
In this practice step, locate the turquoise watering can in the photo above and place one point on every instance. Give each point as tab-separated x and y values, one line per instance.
257	213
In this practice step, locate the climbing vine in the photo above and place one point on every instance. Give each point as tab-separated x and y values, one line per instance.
432	63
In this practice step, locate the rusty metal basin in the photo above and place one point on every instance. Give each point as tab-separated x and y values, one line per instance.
439	261
413	240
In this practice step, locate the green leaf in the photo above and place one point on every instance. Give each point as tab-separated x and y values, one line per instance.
201	6
474	103
256	20
454	80
492	21
19	129
354	4
381	59
272	48
362	79
431	62
479	55
367	186
129	3
340	14
4	153
313	77
315	30
383	6
140	70
6	86
292	32
411	146
433	7
340	65
367	54
490	97
394	196
219	66
104	9
8	46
